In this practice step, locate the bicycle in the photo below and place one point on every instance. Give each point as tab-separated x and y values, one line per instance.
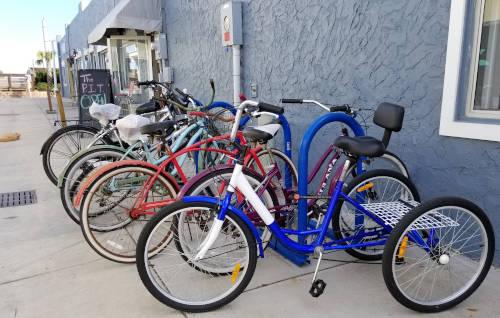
219	255
120	193
213	183
66	142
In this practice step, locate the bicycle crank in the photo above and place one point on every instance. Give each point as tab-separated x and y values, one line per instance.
318	285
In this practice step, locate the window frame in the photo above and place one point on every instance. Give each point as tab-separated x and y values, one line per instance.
476	125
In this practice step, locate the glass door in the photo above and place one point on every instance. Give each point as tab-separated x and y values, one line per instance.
131	62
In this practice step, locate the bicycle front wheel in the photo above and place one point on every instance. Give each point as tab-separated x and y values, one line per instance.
111	214
79	170
214	184
438	254
64	144
173	276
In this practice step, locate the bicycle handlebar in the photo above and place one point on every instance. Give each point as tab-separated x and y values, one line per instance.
270	108
181	93
336	108
147	83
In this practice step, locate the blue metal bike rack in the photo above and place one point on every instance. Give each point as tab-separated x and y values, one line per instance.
301	259
287	140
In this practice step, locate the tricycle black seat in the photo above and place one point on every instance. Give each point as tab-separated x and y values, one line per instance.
361	146
148	107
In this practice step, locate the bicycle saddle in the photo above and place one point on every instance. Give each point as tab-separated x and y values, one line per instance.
148	107
261	134
105	113
163	127
361	146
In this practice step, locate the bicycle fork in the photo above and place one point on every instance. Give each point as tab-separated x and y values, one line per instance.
215	229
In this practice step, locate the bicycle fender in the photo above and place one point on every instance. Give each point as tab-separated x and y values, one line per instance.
85	151
138	163
236	211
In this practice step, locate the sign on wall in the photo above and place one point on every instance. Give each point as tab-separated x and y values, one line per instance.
93	86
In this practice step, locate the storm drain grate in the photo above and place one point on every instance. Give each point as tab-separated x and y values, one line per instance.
17	198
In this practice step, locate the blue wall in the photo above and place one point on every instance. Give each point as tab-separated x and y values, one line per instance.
359	52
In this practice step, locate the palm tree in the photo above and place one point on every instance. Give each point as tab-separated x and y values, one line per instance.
44	57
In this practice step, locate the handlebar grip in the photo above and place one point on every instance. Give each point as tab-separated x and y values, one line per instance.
343	108
270	108
147	83
292	101
212	84
181	93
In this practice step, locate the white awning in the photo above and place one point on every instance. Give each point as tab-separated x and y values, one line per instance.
142	15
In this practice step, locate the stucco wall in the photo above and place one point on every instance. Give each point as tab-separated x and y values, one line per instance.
78	30
358	52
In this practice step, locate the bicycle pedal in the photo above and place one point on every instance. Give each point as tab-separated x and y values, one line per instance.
317	288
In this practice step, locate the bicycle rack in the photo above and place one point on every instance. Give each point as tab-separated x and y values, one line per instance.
301	259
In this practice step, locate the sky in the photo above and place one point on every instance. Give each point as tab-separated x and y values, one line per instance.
21	29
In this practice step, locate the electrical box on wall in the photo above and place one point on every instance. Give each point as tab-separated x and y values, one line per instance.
160	45
231	23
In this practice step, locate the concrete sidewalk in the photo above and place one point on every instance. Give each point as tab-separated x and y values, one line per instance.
48	270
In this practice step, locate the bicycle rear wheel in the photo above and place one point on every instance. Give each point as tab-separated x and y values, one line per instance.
370	187
173	276
438	254
387	161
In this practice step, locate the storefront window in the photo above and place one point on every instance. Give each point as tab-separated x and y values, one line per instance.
130	63
102	59
485	93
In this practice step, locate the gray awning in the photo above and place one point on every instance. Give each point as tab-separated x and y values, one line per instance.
142	15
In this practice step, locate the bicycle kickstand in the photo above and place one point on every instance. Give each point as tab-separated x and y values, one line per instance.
318	285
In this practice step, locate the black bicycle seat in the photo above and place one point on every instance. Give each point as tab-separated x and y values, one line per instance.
361	146
163	127
149	107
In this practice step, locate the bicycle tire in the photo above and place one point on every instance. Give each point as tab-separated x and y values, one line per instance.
174	302
57	135
88	229
405	225
65	193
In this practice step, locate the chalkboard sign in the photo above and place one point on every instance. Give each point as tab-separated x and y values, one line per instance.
93	86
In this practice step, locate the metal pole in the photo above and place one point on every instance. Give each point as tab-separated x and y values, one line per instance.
50	110
60	106
54	74
236	74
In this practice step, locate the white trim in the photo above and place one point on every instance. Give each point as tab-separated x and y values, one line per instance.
449	126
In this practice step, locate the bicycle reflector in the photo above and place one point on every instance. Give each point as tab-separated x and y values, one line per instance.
236	272
367	186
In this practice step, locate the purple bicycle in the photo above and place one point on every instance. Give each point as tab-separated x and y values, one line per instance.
281	201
